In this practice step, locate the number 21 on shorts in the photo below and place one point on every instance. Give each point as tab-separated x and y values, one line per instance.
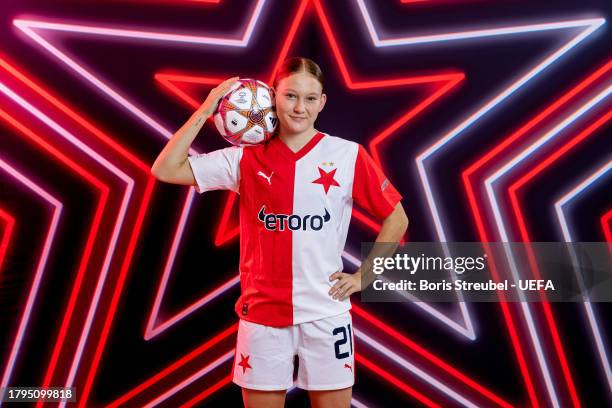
342	331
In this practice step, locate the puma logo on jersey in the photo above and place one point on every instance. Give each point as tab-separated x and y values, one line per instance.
350	367
262	174
280	222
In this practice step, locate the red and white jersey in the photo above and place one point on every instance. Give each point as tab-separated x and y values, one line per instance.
295	210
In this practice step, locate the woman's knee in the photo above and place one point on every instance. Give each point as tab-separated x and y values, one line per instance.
331	398
261	399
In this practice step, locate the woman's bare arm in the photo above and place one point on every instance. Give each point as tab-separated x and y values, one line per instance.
393	229
171	165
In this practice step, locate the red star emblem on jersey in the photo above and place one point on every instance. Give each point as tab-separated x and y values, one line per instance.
244	362
326	179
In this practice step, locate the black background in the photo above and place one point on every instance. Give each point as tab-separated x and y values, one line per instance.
490	65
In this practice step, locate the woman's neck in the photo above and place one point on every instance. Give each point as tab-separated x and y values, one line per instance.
296	141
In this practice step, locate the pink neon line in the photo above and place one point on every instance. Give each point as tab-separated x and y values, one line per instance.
78	169
118	289
90	78
451	80
122	151
81	171
135	110
151	331
189	380
27	27
119	222
95	132
435	3
74	115
165	372
124	33
513	192
40	270
191	308
242	41
6	234
75	66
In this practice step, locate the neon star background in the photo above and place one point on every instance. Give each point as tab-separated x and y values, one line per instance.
124	287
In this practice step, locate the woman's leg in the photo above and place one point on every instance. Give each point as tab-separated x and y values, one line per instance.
325	350
331	398
263	362
263	399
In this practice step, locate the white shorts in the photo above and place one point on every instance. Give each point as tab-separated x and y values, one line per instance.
264	355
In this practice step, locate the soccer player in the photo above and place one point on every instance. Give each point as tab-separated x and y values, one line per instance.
296	195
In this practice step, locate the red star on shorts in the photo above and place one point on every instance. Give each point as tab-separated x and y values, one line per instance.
326	179
244	363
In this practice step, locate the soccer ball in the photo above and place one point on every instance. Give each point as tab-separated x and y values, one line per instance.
245	114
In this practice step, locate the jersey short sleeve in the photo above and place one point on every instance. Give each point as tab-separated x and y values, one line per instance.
371	188
217	170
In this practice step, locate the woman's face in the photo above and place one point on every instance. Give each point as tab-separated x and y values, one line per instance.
299	98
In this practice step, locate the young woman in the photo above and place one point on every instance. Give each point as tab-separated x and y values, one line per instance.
296	194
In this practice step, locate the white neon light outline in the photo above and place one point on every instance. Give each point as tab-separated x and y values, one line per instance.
504	234
118	224
28	26
162	128
590	25
469	333
148	35
413	369
568	236
40	269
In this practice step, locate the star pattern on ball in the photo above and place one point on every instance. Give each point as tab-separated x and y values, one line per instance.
245	114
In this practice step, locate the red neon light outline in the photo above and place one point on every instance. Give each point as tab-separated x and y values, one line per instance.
7	233
513	191
73	114
168	80
216	339
100	207
209	391
466	174
422	351
447	82
395	381
605	225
